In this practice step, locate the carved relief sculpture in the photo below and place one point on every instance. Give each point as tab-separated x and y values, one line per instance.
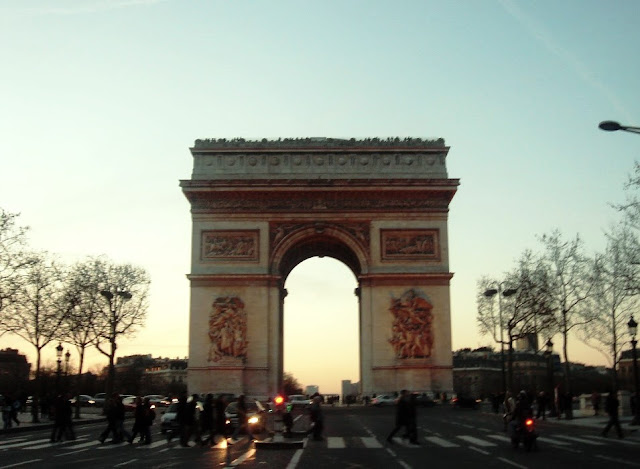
239	245
410	245
411	330
227	329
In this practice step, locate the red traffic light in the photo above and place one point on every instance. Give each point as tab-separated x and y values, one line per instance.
279	400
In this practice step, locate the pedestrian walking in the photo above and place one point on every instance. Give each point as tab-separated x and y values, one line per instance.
243	423
15	408
403	417
207	420
317	418
62	418
611	405
220	419
139	421
595	402
120	413
110	413
541	402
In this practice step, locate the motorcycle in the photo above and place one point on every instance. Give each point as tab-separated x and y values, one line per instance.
524	432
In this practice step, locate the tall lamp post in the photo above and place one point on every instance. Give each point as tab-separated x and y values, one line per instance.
58	371
612	126
548	353
67	356
112	298
633	329
490	294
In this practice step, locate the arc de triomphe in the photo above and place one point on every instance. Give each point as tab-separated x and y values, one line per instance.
259	208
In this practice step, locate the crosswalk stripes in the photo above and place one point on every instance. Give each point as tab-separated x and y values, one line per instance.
579	440
332	442
476	441
441	442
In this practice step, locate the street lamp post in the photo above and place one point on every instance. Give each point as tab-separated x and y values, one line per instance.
113	322
633	329
67	356
548	353
500	292
612	126
58	371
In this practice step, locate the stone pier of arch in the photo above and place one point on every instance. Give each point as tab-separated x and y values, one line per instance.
259	208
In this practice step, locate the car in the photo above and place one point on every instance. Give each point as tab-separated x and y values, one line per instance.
85	400
383	400
169	418
256	416
100	398
424	399
129	403
298	400
465	402
158	400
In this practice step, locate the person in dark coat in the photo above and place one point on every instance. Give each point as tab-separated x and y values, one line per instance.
243	424
139	420
403	417
206	420
220	420
611	405
317	418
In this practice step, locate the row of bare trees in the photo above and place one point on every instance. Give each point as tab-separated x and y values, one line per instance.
560	290
91	303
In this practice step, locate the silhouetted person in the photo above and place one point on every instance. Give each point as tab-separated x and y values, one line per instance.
220	419
110	412
143	418
403	418
541	401
611	405
207	423
317	418
243	421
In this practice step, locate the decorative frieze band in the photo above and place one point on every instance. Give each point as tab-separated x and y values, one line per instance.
230	245
410	245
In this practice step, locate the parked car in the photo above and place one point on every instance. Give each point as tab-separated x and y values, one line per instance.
384	399
256	416
85	400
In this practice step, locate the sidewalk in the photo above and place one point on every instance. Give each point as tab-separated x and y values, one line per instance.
26	423
588	420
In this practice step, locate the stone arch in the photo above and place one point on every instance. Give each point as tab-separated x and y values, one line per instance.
259	208
319	240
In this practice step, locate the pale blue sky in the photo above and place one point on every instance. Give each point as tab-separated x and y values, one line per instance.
101	99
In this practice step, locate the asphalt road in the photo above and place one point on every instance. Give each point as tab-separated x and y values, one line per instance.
354	438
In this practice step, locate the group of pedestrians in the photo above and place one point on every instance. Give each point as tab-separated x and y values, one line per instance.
201	421
10	408
114	410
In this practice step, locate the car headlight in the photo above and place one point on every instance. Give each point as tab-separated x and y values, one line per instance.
228	421
253	419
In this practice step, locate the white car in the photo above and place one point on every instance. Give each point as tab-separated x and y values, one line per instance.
384	399
298	400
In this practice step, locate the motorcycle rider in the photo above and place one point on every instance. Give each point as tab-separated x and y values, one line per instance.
521	412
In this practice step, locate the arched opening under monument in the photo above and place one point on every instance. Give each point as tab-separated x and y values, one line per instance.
321	324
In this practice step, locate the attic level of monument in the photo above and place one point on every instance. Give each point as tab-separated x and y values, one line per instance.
220	159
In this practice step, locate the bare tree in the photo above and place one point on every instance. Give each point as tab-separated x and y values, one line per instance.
526	310
615	294
122	292
14	259
572	280
38	309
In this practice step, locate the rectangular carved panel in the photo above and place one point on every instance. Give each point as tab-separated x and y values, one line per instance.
410	245
230	245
